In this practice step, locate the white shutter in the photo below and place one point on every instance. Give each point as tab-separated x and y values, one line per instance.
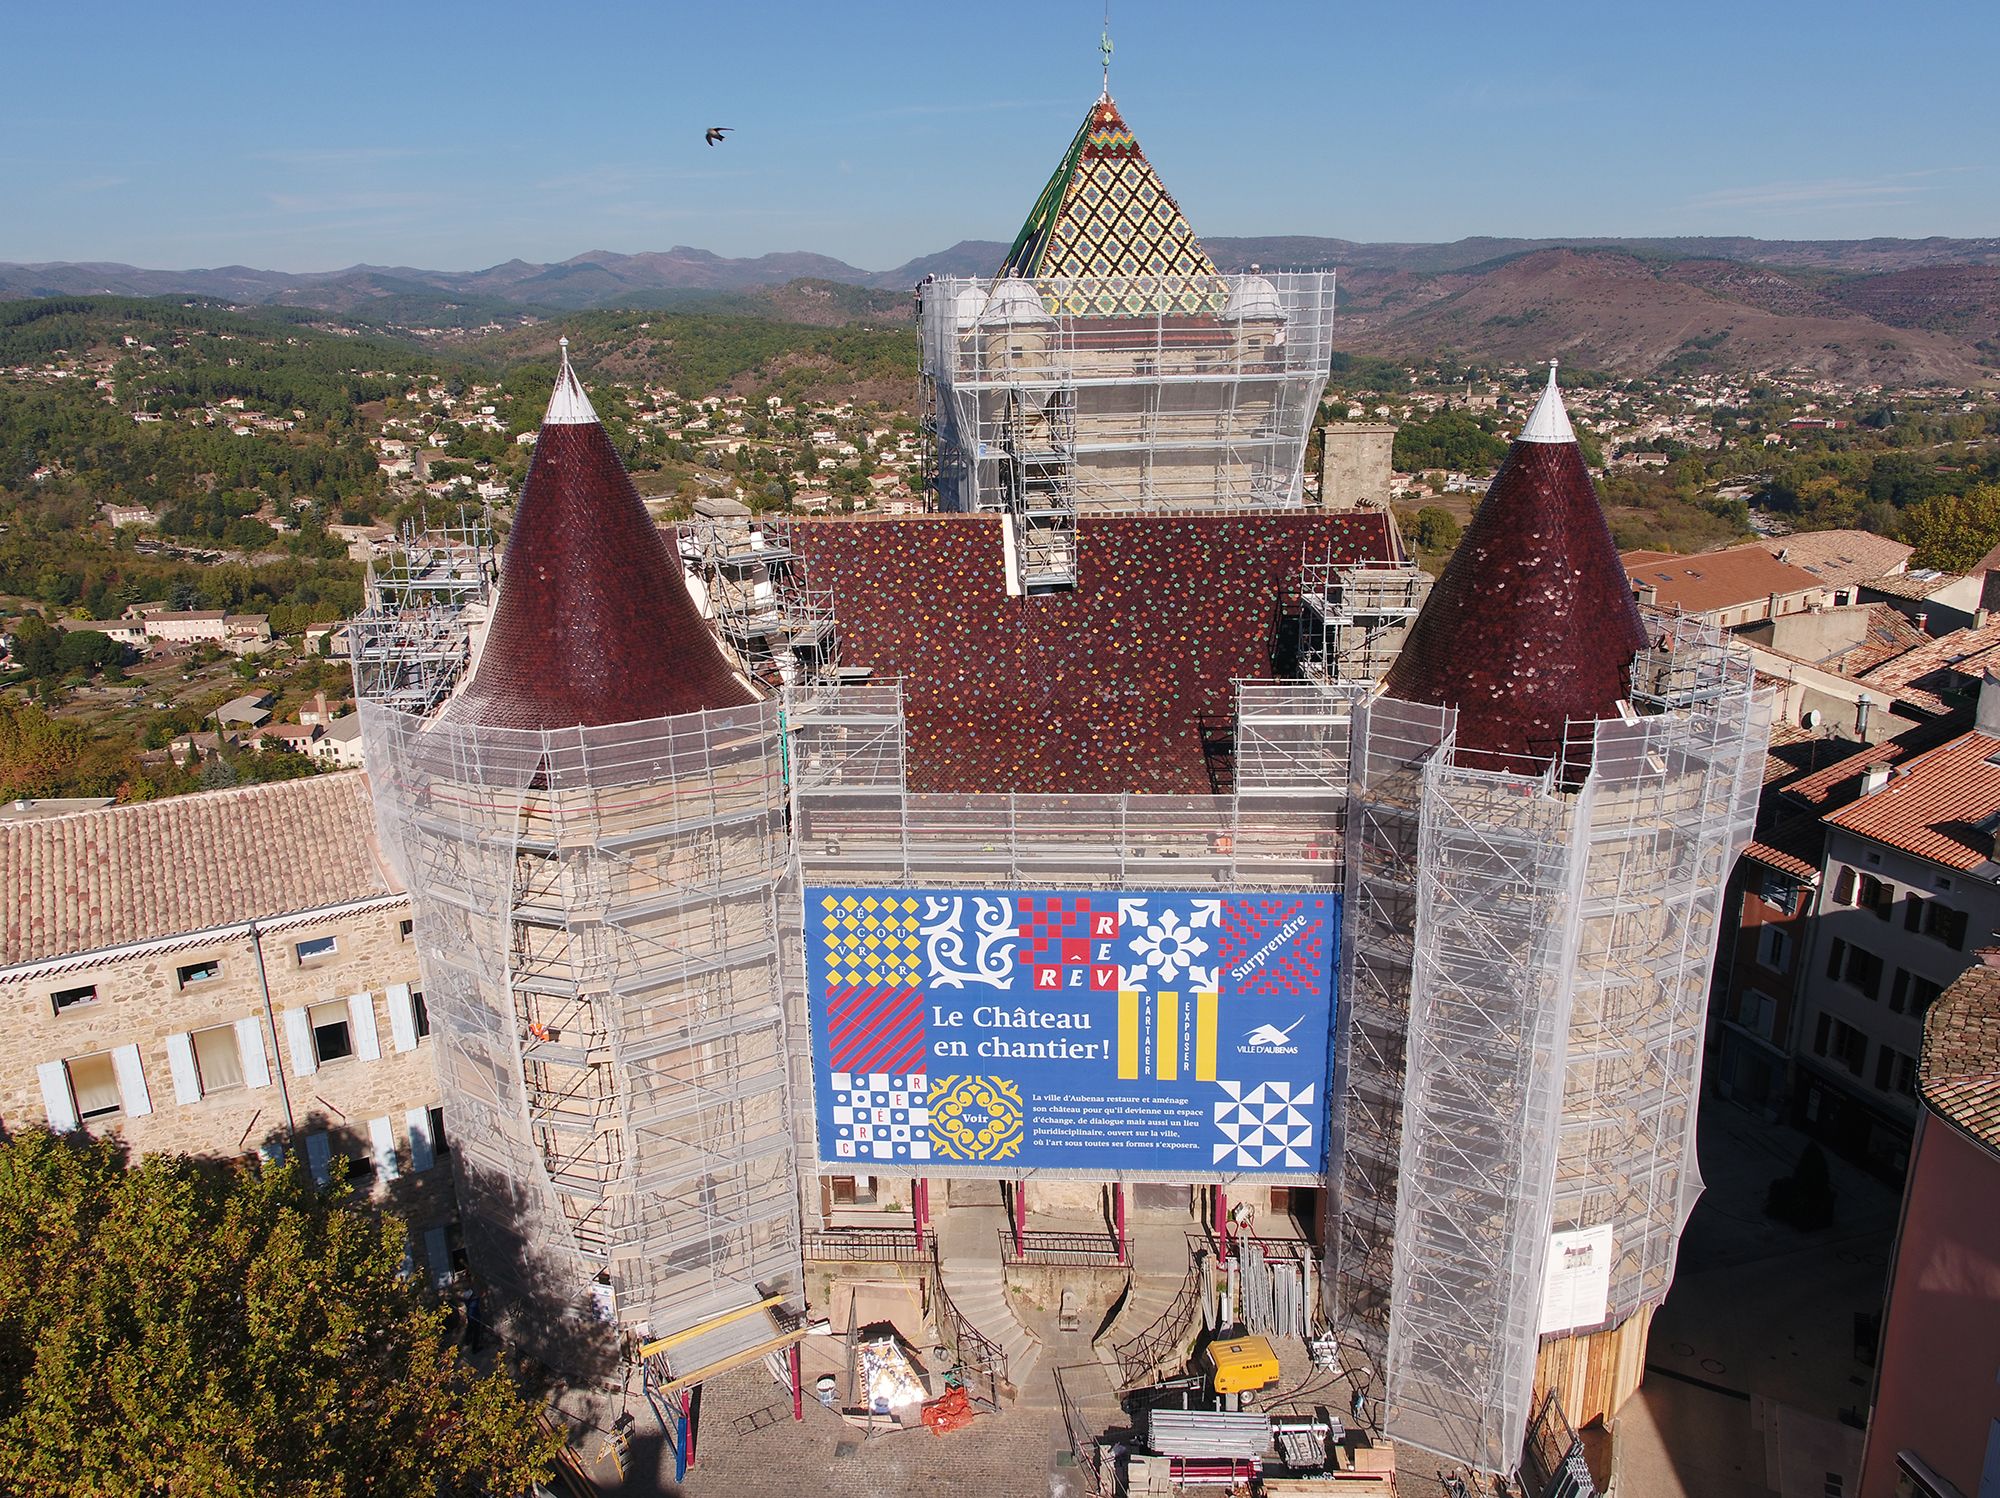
180	1061
319	1157
299	1040
423	1150
361	1020
437	1249
402	1017
132	1094
250	1047
56	1099
382	1135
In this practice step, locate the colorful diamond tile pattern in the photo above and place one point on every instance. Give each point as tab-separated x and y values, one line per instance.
1106	214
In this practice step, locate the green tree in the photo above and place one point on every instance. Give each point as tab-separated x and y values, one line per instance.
1952	532
207	1327
1435	529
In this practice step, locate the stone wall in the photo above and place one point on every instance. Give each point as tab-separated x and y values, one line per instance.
142	1013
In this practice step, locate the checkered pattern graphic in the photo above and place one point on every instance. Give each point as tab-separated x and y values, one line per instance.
1266	1126
1289	970
882	1116
1047	923
870	939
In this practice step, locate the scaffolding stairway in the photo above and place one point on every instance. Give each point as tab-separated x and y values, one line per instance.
1038	438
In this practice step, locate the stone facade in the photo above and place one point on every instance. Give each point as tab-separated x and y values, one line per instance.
1356	459
171	1046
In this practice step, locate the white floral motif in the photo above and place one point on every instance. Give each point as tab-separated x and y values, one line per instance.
1167	946
944	943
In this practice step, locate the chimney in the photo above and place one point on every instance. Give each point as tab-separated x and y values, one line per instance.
1861	706
1923	622
1986	717
1873	779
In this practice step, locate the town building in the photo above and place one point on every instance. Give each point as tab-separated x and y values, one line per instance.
1938	601
1909	889
226	974
1934	1429
1842	559
1730	588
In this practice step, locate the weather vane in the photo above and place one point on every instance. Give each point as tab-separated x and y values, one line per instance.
1104	47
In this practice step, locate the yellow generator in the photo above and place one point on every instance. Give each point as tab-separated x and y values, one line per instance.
1242	1364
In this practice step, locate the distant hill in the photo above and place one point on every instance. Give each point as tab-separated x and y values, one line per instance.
1884	309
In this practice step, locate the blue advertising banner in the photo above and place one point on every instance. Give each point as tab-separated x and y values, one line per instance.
1013	1030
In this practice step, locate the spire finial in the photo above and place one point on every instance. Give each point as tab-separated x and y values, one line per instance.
1104	48
568	405
1549	422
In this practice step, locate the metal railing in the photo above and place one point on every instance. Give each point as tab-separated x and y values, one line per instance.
1071	1250
865	1246
1146	1355
982	1362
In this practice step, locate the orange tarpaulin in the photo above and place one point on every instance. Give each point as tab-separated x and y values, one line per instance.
948	1412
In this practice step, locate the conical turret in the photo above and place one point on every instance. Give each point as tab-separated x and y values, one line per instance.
1533	623
594	623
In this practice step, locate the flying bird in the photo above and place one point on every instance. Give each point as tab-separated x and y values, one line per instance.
716	132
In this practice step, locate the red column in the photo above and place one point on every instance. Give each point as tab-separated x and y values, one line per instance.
920	1208
1020	1215
798	1383
1118	1215
1221	1219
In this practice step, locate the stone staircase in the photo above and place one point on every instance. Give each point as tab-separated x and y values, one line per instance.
1151	1296
977	1285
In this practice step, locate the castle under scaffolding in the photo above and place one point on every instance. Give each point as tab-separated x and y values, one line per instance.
1529	958
755	587
1353	616
1056	398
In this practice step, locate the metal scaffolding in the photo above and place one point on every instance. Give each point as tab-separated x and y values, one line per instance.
1548	947
747	577
411	639
1045	412
1353	617
597	916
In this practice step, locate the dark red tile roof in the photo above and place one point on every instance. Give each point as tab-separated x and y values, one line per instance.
1532	623
594	623
1101	689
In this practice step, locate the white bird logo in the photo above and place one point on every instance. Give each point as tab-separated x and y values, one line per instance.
1272	1035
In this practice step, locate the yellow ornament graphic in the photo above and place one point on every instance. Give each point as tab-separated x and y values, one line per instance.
975	1118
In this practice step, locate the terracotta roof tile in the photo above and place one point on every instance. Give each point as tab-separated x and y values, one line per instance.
1935	805
1724	579
1960	1072
1839	781
1842	558
1950	664
1918	586
135	873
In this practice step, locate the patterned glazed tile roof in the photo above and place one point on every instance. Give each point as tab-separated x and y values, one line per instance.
1959	1075
98	879
594	623
1105	213
1101	689
1936	806
1729	578
1532	623
1841	558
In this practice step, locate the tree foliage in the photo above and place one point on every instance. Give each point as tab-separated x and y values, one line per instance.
1450	439
1953	531
192	1327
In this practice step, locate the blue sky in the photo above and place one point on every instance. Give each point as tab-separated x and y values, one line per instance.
310	137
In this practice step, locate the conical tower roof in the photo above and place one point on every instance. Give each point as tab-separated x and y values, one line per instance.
1533	623
1105	213
594	623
